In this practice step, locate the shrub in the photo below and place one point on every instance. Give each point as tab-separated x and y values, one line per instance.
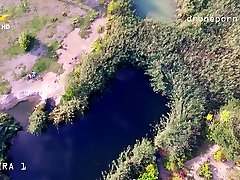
151	173
169	164
132	162
8	130
113	7
68	110
97	45
25	41
219	156
209	117
225	129
38	120
204	171
100	29
224	116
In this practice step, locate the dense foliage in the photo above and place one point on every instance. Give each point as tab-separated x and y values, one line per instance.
205	171
132	162
151	173
225	129
38	120
219	156
8	129
25	41
196	64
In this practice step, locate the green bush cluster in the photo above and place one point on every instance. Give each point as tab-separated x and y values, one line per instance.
38	120
68	111
219	155
205	171
224	129
132	162
25	41
8	130
151	173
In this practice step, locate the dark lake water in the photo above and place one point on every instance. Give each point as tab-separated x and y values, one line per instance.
82	150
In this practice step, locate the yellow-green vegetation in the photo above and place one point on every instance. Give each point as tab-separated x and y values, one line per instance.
48	63
97	45
5	88
8	130
25	41
151	173
15	11
209	117
172	164
190	63
114	7
224	129
204	171
38	120
219	156
84	22
224	116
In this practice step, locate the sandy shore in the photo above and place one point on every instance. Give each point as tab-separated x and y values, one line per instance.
51	85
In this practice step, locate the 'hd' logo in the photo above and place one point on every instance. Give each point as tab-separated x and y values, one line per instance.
6	24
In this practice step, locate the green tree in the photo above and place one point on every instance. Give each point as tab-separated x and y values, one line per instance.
38	120
8	130
151	173
25	41
225	128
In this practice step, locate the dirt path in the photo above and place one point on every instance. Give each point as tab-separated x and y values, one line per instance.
52	85
219	169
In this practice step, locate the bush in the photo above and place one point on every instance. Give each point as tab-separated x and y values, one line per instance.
132	162
68	111
224	130
169	164
204	171
8	130
25	41
100	29
219	156
38	120
151	173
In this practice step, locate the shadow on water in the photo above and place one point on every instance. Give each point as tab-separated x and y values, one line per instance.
82	150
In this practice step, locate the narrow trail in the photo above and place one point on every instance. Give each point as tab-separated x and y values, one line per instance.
219	169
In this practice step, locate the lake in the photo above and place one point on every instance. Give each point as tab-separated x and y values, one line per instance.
157	9
80	151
